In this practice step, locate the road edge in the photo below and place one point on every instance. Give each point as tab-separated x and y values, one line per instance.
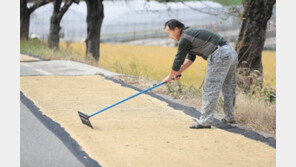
60	132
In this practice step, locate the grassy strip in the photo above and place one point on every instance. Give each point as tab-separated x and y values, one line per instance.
228	2
39	48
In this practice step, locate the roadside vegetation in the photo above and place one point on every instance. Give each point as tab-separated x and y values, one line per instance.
144	66
228	2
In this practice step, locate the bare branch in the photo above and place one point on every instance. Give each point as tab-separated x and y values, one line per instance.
215	11
199	10
39	4
63	10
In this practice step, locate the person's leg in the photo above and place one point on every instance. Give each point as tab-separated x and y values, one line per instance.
228	90
217	69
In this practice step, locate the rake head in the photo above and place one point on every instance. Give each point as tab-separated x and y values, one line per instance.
85	119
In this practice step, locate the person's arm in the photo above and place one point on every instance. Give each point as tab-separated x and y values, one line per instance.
183	49
187	63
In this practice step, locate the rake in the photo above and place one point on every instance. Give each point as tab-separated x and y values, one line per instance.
85	118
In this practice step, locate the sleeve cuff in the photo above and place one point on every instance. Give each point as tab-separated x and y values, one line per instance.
191	57
176	68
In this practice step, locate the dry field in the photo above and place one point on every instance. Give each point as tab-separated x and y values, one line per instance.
154	62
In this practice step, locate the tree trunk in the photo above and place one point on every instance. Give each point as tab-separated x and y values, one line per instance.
95	16
252	37
54	38
54	31
25	13
55	20
25	20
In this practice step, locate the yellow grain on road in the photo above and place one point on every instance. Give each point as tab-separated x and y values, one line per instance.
24	58
143	131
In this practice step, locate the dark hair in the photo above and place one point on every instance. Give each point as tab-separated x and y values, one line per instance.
173	23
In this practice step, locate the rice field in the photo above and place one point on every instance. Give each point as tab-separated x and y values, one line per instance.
154	62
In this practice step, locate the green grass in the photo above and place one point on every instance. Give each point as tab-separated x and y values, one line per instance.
39	48
228	2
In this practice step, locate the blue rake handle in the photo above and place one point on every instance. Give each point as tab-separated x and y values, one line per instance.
146	90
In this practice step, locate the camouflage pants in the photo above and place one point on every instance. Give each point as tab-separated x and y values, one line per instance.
220	75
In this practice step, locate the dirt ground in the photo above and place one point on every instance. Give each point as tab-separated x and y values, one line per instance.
143	131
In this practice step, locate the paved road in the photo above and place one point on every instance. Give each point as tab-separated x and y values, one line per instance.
39	146
42	141
60	67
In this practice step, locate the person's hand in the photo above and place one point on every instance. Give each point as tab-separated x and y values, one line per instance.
167	79
178	73
172	75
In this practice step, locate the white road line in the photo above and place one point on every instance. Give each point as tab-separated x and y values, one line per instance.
36	69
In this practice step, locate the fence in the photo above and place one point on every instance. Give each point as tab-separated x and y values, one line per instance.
130	20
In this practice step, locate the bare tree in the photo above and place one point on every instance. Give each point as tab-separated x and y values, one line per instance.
25	13
207	9
232	10
55	20
252	34
94	19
